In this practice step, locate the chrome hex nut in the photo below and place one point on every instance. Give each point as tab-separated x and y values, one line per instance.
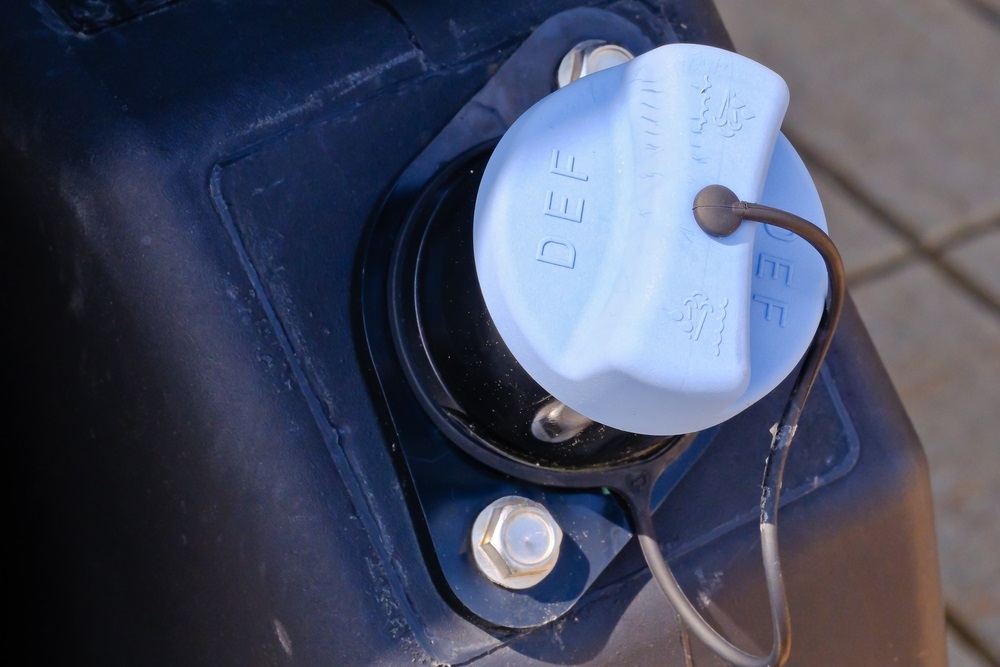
515	542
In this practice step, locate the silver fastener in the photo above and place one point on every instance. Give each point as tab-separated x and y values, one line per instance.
557	422
515	542
588	57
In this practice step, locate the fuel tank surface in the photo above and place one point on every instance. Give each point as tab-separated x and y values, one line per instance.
204	470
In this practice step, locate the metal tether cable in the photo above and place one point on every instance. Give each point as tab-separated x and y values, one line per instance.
720	212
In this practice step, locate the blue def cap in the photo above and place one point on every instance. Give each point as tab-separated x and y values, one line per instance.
594	269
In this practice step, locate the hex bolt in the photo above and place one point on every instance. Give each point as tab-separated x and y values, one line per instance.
588	57
515	542
557	422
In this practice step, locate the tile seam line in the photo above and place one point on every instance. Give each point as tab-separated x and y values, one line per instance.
983	12
969	637
968	232
882	269
931	253
899	261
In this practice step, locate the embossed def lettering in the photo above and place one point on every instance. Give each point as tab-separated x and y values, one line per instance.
568	167
777	272
557	250
775	268
774	310
558	207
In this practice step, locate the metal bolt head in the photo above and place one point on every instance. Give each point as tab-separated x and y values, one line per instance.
515	542
588	57
557	422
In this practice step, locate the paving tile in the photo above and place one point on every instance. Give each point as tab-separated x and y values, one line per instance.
862	241
991	8
959	655
899	94
943	352
979	259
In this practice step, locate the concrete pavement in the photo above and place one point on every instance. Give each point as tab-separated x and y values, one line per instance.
895	105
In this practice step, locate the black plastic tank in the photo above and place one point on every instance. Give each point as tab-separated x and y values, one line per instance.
218	452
